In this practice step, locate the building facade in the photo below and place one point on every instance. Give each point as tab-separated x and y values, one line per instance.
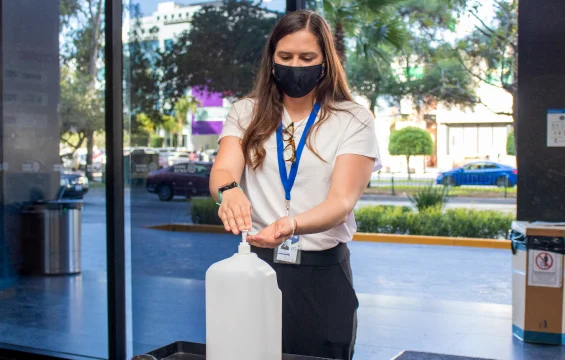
459	135
478	133
159	31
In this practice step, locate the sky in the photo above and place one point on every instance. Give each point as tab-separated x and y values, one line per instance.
149	6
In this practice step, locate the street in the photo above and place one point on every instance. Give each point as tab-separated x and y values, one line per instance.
411	282
499	204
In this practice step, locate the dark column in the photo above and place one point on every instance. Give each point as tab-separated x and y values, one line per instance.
4	263
293	5
541	86
115	219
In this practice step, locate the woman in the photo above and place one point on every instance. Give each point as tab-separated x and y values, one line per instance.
297	193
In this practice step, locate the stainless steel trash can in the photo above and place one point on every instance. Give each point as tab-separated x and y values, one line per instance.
52	237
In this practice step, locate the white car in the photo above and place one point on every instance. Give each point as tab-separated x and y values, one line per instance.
164	155
178	158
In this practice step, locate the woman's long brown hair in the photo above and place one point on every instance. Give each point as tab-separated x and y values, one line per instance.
268	109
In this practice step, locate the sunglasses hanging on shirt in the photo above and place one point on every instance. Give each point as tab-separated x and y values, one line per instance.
290	148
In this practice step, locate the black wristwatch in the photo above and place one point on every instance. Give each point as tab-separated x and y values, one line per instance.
225	188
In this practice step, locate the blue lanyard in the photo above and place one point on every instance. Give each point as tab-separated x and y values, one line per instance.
288	180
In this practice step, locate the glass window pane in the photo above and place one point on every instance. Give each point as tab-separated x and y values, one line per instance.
53	292
176	105
369	73
485	140
456	141
500	135
470	140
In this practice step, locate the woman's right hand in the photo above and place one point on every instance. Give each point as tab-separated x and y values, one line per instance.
235	211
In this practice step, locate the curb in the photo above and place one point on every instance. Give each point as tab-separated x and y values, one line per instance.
182	227
365	237
433	240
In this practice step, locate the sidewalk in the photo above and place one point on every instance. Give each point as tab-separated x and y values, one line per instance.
447	300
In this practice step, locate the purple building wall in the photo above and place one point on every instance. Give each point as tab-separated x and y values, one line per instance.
207	99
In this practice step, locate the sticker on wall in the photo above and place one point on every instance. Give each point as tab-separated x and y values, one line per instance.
31	167
544	269
556	128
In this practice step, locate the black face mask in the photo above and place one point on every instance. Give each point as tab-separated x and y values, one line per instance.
297	81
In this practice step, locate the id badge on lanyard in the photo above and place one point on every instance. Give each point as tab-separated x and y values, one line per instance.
289	252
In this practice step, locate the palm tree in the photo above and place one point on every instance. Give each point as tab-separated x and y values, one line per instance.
145	125
170	125
371	23
182	107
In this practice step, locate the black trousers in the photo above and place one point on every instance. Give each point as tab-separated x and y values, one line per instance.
319	303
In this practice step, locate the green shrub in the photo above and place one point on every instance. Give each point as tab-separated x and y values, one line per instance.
388	219
156	141
430	197
204	210
510	144
433	222
478	223
139	139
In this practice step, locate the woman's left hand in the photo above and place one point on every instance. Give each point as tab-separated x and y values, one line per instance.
274	234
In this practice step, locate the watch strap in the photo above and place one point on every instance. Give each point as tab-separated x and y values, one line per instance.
230	186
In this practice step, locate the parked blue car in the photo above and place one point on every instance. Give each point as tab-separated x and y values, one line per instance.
480	173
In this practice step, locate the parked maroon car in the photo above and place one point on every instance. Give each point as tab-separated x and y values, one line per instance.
185	179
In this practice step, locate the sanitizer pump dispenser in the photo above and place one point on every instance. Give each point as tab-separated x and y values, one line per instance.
243	308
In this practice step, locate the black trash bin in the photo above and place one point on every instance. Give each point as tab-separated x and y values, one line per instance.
142	162
52	237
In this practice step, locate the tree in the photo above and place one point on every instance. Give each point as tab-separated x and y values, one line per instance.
220	52
170	125
510	144
82	22
79	110
144	125
392	74
490	53
183	106
430	18
440	77
140	62
370	23
380	28
410	141
369	79
442	80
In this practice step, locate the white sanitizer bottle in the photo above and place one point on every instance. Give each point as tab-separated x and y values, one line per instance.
243	309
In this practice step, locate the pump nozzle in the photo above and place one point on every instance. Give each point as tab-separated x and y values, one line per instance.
244	247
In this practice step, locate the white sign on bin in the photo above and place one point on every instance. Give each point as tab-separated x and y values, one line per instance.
544	269
556	128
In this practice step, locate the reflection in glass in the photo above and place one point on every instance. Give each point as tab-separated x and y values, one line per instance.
177	97
52	244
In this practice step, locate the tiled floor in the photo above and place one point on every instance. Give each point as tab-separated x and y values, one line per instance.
438	299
